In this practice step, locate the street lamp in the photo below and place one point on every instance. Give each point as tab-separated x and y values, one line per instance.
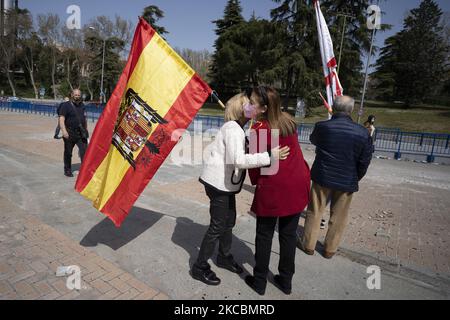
102	94
361	106
345	15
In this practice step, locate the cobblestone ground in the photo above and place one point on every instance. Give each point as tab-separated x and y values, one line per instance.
31	252
400	216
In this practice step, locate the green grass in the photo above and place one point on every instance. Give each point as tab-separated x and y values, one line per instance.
421	118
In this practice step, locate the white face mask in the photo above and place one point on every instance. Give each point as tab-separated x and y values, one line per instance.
250	111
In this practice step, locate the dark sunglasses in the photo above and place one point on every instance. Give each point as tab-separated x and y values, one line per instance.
262	92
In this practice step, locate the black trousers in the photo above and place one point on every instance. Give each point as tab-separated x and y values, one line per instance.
223	218
287	230
74	139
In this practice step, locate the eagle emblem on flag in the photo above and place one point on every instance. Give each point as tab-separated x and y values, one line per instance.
135	126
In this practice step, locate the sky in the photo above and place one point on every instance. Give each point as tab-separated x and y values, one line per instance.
189	22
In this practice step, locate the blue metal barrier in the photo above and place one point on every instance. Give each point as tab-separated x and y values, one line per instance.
386	139
93	111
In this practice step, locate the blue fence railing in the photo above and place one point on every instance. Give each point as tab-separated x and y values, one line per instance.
427	144
93	112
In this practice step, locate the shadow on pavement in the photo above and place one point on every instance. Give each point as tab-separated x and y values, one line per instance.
137	222
249	188
189	235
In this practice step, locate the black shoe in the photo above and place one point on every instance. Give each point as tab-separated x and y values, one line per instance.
229	264
279	284
206	276
250	281
68	174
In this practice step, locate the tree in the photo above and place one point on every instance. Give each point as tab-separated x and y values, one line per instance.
301	64
113	64
384	74
50	33
116	35
199	60
248	54
8	48
118	28
232	18
445	90
299	68
152	14
72	40
420	70
29	46
413	60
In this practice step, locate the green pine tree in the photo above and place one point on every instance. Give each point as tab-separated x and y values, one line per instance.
421	54
249	54
384	75
219	63
152	14
232	16
412	63
303	73
298	69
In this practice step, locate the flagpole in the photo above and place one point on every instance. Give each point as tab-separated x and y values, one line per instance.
361	110
343	36
216	97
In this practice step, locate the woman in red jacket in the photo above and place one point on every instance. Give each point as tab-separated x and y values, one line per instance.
282	192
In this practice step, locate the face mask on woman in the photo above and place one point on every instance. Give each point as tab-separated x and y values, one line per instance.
250	111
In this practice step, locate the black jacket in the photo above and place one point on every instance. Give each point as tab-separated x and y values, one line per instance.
72	119
343	153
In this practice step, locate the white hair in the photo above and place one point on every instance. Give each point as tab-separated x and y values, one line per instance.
344	104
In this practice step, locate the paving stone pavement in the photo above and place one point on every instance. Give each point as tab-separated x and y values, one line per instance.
399	221
31	252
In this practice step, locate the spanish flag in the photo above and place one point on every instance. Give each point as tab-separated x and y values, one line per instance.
157	94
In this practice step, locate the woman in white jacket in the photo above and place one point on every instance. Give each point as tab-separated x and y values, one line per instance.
224	169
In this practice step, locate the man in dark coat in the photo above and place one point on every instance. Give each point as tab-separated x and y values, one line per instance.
73	124
343	154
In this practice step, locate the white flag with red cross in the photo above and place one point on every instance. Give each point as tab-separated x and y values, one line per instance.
333	85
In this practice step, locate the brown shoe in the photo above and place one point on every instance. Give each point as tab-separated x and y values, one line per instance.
302	247
328	255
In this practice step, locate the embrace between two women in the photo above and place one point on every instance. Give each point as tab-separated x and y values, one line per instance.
282	180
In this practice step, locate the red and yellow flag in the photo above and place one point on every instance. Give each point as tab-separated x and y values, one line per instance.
157	93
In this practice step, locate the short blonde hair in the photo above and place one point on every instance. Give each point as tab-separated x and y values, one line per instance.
234	109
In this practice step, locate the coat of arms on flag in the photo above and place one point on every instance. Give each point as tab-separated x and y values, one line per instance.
134	126
157	94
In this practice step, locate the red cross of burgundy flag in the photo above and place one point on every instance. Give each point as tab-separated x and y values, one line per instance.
333	86
157	93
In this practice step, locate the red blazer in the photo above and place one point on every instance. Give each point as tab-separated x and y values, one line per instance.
286	192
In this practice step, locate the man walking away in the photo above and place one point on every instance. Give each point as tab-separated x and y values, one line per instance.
72	120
